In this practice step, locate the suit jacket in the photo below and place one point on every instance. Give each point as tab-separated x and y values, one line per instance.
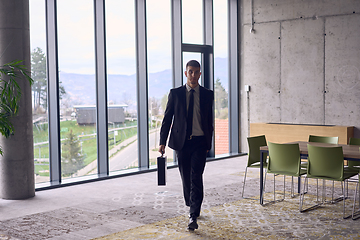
175	117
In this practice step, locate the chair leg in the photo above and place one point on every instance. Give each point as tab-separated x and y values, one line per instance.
293	189
336	200
343	188
317	190
302	201
302	196
274	189
242	195
356	214
343	193
307	187
264	188
341	198
274	201
324	191
284	186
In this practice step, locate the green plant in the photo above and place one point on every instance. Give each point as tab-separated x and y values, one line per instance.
71	158
10	94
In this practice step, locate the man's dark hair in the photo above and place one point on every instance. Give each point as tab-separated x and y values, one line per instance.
193	63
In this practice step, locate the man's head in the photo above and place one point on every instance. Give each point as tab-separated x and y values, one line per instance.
193	73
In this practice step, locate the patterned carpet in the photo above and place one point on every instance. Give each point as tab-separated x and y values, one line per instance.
246	219
160	213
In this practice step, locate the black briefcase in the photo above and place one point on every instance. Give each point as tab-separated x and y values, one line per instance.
161	169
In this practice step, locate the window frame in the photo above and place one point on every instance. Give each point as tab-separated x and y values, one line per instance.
178	47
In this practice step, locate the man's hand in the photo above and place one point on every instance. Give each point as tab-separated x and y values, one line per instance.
162	149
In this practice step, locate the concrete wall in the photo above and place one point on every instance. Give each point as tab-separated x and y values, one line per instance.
302	63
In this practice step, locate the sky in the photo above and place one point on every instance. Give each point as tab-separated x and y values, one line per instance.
76	33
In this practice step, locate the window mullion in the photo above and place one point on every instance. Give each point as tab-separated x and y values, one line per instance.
142	83
176	42
234	120
53	93
101	91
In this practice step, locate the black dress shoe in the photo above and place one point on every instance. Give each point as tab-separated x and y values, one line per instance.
192	224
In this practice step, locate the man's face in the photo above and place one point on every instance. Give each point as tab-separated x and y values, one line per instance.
193	74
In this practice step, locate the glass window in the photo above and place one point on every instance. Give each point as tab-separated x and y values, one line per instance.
77	87
221	78
121	84
77	83
39	90
159	71
192	21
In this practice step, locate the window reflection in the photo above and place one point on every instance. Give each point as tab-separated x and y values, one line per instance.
39	90
221	74
121	69
160	73
192	21
77	88
77	79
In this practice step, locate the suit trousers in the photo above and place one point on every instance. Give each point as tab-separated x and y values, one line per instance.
192	159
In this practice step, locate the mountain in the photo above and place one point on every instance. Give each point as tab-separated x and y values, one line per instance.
122	88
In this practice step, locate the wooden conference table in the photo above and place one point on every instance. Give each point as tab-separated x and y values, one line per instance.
351	152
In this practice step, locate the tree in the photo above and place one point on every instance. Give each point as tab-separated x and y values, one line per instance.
154	106
71	158
126	98
164	101
10	94
221	99
38	74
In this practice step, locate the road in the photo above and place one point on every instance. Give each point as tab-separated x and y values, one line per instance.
128	156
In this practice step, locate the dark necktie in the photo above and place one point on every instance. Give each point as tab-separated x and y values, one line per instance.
189	119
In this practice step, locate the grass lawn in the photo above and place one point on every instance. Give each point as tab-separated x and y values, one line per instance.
89	145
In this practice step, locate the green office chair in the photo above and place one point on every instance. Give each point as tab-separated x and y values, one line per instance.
321	139
355	166
254	156
327	163
284	159
354	141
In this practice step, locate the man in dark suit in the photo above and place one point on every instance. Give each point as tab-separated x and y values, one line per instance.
189	114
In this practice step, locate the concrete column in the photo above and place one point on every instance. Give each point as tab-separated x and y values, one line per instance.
17	163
